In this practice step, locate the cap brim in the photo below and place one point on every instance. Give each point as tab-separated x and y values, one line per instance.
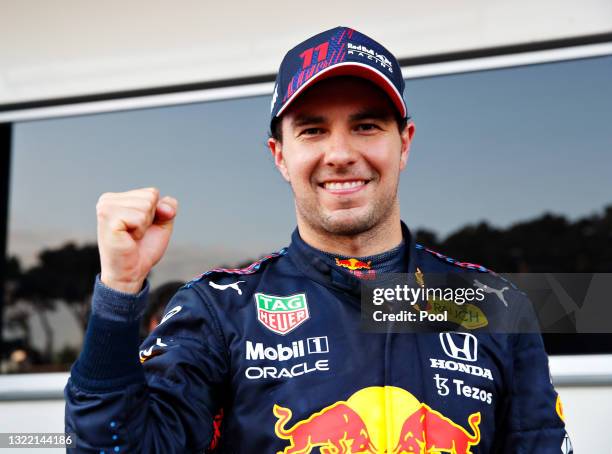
357	70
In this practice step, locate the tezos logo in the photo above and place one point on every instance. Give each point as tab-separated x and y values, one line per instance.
281	314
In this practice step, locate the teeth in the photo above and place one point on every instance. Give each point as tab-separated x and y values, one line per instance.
332	185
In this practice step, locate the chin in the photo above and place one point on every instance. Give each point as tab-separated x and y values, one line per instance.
348	222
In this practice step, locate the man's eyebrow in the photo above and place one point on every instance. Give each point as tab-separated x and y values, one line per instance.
374	114
302	120
371	114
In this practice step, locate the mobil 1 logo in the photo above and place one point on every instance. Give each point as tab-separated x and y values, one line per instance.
300	357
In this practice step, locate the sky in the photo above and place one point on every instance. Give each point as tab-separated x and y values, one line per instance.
501	146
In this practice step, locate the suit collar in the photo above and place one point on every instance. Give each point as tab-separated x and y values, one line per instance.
317	266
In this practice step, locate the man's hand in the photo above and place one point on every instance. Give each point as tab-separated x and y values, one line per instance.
134	228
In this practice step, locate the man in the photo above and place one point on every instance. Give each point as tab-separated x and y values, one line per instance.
276	348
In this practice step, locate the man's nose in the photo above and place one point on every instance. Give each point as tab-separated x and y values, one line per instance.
339	150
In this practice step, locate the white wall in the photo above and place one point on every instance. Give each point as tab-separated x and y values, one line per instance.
68	47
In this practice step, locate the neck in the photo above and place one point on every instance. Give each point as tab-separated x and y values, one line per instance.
382	237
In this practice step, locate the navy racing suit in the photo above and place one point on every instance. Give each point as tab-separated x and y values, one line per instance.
271	358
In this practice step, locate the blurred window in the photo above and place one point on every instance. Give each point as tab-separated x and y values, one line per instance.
492	149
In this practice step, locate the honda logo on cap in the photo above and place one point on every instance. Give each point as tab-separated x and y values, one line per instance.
461	346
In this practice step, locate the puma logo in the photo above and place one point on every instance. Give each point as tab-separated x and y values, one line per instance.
225	287
498	292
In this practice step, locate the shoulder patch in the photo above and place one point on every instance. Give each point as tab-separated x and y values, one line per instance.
251	269
467	265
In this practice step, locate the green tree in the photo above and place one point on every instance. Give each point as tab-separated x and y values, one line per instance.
63	274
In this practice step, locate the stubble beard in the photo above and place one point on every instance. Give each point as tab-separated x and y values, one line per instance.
347	222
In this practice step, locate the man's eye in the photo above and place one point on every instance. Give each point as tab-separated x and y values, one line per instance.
311	131
366	127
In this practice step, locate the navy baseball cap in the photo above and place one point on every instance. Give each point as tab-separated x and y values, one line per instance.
341	51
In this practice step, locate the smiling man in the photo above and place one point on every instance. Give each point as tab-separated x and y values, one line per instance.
271	357
343	153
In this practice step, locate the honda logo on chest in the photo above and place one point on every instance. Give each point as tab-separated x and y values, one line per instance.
461	346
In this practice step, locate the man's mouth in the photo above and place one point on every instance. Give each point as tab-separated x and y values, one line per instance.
344	185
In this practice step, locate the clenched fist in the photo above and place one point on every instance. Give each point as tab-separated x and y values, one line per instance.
134	228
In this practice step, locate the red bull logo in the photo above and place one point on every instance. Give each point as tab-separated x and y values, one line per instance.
427	430
337	428
354	264
377	420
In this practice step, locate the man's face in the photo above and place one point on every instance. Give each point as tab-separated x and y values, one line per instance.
342	153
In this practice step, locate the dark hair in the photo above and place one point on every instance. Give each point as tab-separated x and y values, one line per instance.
276	130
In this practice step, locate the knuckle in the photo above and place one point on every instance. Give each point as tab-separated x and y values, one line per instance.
104	203
151	194
146	209
102	199
150	204
116	224
141	218
101	208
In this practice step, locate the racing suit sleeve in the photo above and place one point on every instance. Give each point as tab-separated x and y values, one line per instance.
162	400
534	422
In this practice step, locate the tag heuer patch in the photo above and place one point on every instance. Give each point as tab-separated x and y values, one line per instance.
281	314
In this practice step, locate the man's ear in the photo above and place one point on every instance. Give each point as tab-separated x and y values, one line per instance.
407	134
276	148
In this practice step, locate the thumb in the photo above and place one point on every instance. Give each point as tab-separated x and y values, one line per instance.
166	211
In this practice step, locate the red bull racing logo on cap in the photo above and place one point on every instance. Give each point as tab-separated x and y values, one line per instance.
281	314
377	420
